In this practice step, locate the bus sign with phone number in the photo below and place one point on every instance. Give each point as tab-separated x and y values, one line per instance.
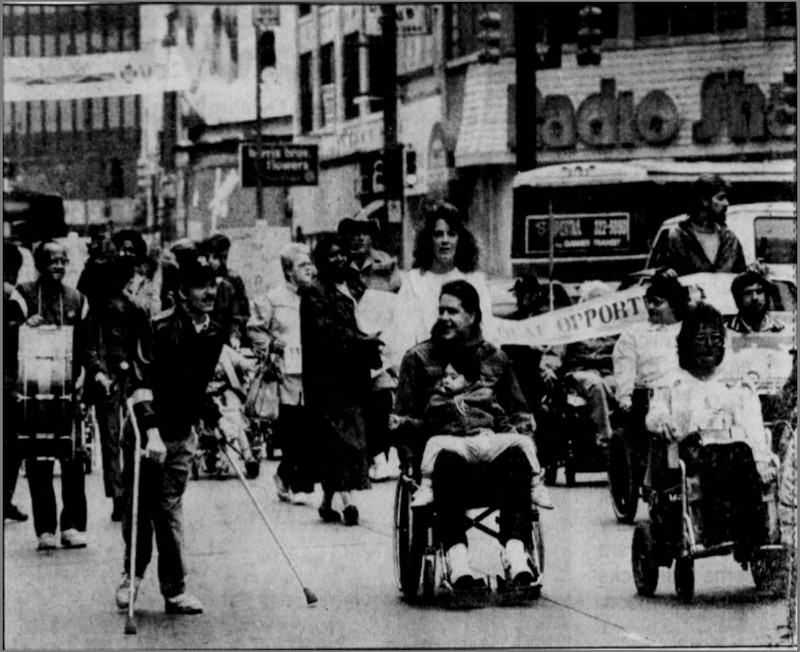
580	233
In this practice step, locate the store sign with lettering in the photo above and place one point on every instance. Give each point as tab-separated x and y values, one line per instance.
578	233
607	119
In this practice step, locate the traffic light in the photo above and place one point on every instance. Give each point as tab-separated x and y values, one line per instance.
490	37
266	50
590	35
787	111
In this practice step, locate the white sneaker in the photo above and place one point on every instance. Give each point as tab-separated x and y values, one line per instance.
460	574
515	562
72	538
47	541
123	594
422	496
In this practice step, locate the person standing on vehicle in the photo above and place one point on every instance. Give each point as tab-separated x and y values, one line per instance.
702	242
114	329
233	308
752	292
13	315
372	269
49	302
274	331
337	358
175	365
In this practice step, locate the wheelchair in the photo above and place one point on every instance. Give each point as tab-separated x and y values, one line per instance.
706	499
419	556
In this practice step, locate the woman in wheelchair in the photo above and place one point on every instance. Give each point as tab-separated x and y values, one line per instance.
697	406
432	400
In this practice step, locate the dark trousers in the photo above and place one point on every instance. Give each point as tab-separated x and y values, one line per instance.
459	485
376	417
161	490
107	412
11	459
43	497
296	469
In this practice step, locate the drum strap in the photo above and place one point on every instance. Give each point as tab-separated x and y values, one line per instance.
60	306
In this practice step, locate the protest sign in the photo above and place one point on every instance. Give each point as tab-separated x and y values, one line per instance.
764	360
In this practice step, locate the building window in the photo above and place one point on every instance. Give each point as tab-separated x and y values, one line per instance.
66	115
327	76
780	14
304	10
376	78
683	19
36	117
51	116
21	117
130	111
216	27
8	34
306	97
8	117
351	75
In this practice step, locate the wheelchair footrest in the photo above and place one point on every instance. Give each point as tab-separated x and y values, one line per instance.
509	592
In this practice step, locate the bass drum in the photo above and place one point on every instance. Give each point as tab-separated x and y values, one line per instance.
45	393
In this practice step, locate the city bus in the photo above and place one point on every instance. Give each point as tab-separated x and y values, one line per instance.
605	215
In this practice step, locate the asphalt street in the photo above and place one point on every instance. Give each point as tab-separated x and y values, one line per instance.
64	599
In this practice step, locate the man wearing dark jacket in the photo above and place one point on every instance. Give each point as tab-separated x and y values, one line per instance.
702	242
176	364
232	308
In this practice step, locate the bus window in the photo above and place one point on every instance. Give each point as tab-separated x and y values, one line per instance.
776	240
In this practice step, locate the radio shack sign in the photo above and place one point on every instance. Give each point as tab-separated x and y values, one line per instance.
280	164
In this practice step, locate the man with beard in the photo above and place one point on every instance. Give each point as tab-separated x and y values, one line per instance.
337	358
457	333
702	242
751	290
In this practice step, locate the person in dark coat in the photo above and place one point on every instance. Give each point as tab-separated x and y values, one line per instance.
232	309
337	358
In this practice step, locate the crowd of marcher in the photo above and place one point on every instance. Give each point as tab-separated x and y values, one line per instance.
434	384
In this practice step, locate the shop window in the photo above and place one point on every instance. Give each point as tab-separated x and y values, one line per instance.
683	19
351	75
780	14
306	96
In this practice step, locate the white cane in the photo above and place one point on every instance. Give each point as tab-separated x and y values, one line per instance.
130	623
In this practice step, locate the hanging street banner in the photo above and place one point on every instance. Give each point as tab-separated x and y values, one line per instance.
281	164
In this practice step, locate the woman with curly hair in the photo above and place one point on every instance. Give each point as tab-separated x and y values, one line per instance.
445	250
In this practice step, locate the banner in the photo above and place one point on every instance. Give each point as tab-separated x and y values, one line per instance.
764	360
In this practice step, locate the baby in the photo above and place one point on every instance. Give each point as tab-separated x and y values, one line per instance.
465	417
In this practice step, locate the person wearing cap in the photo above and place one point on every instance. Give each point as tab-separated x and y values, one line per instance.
175	363
233	308
377	269
373	269
752	291
702	242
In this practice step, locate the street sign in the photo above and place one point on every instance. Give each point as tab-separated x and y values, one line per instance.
281	164
266	16
579	234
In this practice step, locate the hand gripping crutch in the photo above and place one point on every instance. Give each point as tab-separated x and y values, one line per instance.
311	598
130	622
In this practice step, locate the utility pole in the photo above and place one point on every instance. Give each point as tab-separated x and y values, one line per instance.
525	80
392	150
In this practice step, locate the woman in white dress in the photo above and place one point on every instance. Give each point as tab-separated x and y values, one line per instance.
445	250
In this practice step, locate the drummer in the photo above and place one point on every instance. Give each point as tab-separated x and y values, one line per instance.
49	302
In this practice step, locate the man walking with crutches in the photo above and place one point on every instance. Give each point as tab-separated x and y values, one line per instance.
176	364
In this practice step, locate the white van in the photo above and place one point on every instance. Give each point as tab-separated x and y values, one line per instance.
767	231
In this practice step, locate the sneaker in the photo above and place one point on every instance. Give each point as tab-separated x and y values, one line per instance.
47	541
183	604
540	497
71	538
350	514
515	562
13	513
460	574
123	594
284	493
252	468
422	497
118	510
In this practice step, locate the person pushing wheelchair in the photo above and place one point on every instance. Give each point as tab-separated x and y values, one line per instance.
511	466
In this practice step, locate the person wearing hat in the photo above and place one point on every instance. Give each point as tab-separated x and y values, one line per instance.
377	269
175	363
232	310
752	291
373	269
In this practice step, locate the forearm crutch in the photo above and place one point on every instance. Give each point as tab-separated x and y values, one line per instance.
311	598
130	622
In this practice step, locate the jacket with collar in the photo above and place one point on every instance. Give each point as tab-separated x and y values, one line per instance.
683	252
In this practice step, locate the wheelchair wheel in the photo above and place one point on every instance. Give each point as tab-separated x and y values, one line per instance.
537	558
769	570
684	579
643	560
410	539
622	480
